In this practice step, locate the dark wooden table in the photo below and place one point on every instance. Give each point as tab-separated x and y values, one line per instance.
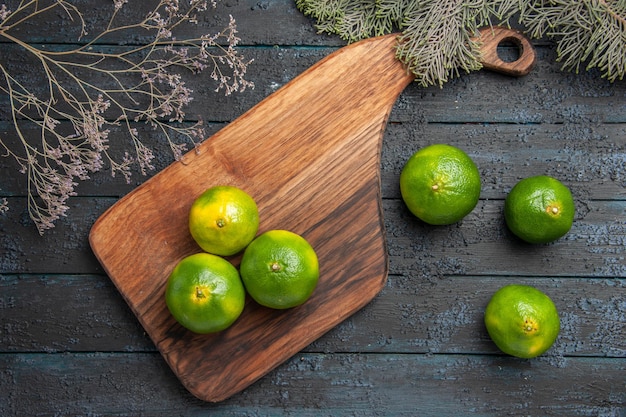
69	344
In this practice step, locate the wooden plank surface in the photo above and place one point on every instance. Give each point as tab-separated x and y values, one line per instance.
593	248
406	317
546	95
321	384
69	345
589	158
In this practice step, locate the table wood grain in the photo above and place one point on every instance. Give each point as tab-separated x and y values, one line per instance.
69	344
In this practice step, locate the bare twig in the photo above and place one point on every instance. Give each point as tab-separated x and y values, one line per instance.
141	85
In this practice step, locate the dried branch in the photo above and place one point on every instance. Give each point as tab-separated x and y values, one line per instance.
142	84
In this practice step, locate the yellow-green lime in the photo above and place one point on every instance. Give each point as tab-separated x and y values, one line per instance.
204	293
522	321
539	209
223	220
440	184
279	269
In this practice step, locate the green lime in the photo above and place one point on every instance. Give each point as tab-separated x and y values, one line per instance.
539	209
279	269
522	321
204	293
223	220
440	184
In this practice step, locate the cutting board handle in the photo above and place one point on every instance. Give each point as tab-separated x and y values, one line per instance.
491	37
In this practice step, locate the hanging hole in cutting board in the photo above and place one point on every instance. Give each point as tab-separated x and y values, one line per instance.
510	49
491	38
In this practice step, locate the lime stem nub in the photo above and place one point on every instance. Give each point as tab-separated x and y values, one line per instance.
529	326
275	267
553	209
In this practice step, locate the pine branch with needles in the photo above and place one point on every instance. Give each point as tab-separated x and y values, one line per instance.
436	36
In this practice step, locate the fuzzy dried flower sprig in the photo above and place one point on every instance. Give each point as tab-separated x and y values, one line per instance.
4	205
141	85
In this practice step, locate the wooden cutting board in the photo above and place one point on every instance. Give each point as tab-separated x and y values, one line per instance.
309	154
